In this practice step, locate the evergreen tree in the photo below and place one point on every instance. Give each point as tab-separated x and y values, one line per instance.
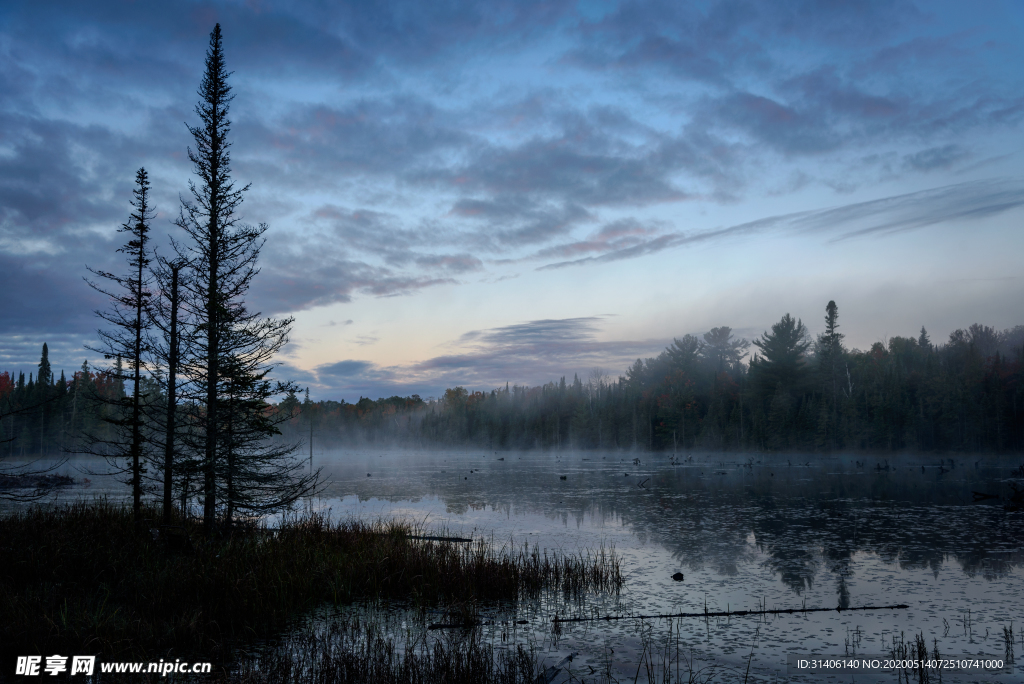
289	404
128	317
230	359
684	352
778	376
723	350
45	373
43	396
924	340
829	348
781	361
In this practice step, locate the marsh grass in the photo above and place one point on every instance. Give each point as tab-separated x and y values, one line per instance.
84	579
356	649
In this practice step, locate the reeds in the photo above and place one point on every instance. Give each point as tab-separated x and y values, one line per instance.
85	579
354	650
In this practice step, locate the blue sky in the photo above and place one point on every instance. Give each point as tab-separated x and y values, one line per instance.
481	193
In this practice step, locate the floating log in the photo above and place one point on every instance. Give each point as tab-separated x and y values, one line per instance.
470	625
460	540
730	613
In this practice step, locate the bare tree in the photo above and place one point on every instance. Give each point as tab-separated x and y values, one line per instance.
165	348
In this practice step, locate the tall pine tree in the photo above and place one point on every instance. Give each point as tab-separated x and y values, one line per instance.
128	318
230	358
829	347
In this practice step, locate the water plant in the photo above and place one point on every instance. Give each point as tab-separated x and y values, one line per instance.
355	649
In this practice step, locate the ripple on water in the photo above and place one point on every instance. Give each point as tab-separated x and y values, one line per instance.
765	536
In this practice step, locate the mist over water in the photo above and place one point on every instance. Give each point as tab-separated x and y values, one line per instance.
747	531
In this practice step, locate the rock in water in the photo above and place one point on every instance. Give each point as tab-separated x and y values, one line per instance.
678	577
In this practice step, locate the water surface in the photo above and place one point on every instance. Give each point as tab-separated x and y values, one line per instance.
747	532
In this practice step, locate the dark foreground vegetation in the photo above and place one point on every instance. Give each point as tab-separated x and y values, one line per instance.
85	579
356	650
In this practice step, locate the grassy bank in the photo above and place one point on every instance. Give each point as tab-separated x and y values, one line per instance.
84	579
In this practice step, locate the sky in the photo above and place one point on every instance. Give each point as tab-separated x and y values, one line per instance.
476	194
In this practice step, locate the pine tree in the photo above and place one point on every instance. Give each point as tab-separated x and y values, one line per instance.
43	395
924	341
230	359
722	349
781	361
829	346
128	317
45	373
778	375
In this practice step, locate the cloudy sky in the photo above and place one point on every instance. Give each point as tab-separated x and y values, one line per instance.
480	193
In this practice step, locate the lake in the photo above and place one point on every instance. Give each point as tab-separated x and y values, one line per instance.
748	532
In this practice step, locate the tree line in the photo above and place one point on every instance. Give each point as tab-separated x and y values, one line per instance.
48	416
781	392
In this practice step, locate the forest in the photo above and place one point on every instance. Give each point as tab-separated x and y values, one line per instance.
783	392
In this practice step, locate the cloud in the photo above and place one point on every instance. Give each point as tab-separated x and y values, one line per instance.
716	42
21	353
918	210
345	369
303	280
57	178
400	146
941	157
880	217
613	237
581	170
398	135
508	221
364	340
453	263
530	353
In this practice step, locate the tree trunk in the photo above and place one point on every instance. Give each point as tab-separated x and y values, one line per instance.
172	400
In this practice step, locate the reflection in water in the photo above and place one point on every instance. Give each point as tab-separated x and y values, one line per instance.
806	520
744	533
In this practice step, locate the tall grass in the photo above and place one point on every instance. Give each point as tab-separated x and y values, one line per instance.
354	650
85	579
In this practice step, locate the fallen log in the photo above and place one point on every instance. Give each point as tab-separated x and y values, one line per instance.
460	540
730	613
